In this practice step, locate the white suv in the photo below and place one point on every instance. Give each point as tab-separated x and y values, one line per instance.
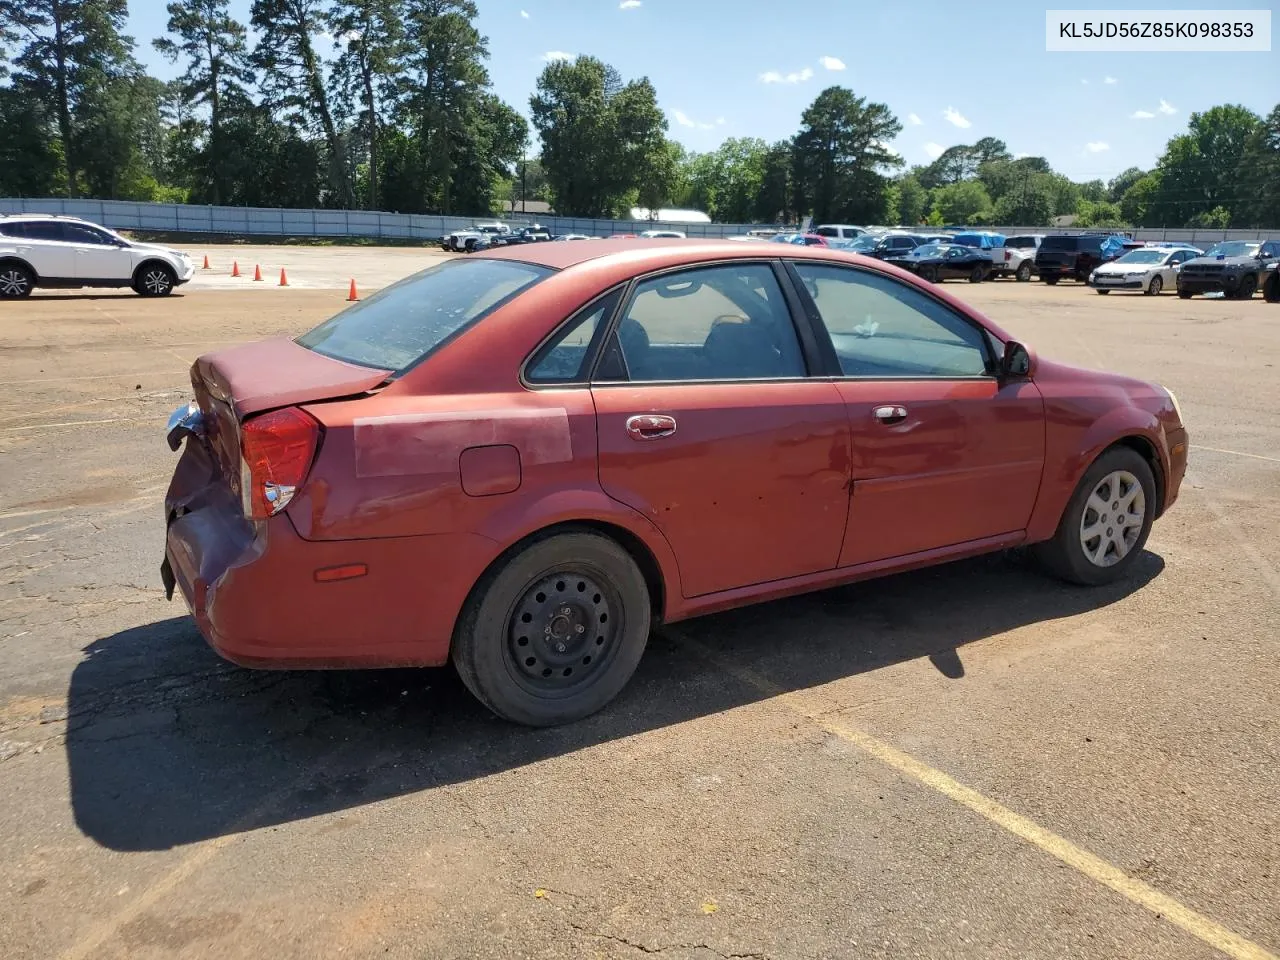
48	251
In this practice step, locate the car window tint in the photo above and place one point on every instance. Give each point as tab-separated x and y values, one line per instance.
827	232
43	230
712	323
881	327
75	233
564	357
402	323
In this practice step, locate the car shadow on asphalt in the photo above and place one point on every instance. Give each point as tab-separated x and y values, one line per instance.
169	745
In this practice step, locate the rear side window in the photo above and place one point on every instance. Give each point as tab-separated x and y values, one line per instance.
1020	243
564	358
827	232
1060	243
401	324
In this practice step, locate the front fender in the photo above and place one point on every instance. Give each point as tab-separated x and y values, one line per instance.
1073	442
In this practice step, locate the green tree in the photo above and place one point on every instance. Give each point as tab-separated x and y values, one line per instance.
1029	200
1099	213
600	137
1218	218
1121	182
31	163
216	61
293	77
1137	201
466	141
370	34
1201	169
773	204
73	48
964	203
913	200
1260	174
839	154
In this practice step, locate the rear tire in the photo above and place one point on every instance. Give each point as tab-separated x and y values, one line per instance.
154	280
1050	280
1271	289
977	275
15	281
929	273
553	633
1023	273
1099	538
1185	294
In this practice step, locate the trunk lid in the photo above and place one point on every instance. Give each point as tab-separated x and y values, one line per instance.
250	378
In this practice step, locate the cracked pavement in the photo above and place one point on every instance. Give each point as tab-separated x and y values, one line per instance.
158	802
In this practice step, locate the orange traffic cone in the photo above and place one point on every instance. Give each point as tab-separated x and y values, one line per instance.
206	261
284	281
352	295
257	273
235	268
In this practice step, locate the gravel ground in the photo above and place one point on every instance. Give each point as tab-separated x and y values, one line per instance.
966	761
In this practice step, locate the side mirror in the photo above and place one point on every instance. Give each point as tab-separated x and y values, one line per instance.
1016	362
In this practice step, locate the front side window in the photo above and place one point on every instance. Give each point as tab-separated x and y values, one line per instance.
400	324
711	323
882	328
75	233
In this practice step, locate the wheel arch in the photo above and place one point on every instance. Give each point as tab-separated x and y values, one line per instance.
14	258
1143	447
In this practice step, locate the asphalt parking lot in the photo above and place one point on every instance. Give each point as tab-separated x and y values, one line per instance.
967	761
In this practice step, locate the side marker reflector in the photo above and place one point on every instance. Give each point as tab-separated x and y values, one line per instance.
348	571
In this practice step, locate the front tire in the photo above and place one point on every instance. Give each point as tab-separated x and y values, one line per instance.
555	631
1247	287
1154	287
1050	280
1271	289
929	273
1102	293
15	281
1106	522
1185	294
977	275
154	280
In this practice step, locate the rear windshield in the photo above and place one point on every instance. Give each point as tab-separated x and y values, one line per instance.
1060	243
402	323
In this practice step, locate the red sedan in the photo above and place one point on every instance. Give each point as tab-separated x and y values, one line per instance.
523	459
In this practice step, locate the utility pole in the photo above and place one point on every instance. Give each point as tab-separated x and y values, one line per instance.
524	169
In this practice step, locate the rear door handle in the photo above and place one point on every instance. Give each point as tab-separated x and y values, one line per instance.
890	413
650	426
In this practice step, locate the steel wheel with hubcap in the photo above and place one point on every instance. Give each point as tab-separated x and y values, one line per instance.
154	280
554	630
1105	524
15	281
1155	286
1112	518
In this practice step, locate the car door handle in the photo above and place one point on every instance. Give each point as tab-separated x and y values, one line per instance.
650	426
890	413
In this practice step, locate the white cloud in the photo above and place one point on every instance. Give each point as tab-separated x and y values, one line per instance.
799	76
1167	108
1097	146
914	120
552	55
1085	82
685	120
956	118
1019	156
720	121
524	14
934	150
832	63
628	4
1141	115
1110	81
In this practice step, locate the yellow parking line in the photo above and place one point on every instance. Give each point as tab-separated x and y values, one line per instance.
813	708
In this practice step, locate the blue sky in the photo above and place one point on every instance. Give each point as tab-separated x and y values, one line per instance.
951	72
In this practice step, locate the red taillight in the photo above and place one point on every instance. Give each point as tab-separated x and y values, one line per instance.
1007	256
276	450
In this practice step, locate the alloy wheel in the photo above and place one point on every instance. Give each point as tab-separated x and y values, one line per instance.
1112	520
156	282
14	283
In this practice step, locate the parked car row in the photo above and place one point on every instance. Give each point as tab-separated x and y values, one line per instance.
494	235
